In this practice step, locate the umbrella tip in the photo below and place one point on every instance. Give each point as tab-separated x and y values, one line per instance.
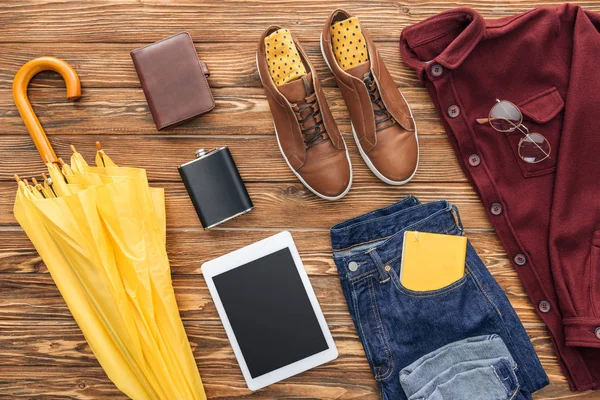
98	146
25	182
17	178
61	161
73	149
35	182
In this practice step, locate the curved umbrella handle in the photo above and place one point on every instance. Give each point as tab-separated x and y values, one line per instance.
20	83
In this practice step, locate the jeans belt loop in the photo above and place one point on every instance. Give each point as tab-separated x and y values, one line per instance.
384	276
457	219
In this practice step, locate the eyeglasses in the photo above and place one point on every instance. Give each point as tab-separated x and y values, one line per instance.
506	117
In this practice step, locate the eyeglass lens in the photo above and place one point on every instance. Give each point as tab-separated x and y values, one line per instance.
505	117
534	148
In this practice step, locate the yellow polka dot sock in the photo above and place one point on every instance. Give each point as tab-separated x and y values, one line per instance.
348	43
284	62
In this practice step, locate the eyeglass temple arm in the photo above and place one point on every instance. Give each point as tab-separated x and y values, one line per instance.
482	121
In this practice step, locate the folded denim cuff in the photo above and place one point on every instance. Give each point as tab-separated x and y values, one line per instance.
456	370
492	382
425	369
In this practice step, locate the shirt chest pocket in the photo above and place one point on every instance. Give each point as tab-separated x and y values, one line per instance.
542	114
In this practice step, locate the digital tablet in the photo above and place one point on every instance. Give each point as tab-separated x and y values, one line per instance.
269	310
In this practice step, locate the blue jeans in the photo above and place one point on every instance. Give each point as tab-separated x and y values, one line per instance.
398	326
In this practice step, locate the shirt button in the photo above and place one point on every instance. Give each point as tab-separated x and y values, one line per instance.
597	332
453	111
353	266
437	70
544	306
474	160
496	209
520	259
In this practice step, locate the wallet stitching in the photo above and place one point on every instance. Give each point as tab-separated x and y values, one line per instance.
204	81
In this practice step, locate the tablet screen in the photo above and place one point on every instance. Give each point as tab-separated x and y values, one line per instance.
270	312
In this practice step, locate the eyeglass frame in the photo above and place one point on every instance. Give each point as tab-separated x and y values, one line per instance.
519	127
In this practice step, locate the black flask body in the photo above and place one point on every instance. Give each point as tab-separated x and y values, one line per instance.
215	187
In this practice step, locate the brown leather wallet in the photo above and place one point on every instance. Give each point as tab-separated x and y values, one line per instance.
174	80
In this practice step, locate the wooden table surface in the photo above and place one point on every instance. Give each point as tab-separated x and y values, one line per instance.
43	354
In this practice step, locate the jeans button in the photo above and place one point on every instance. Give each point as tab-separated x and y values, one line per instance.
544	306
453	111
437	70
520	259
474	160
496	209
597	332
353	266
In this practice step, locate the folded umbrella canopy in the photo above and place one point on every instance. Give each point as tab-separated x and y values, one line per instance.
101	233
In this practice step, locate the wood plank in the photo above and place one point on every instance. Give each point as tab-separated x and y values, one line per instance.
26	345
213	21
35	297
258	158
207	21
291	205
219	383
238	111
188	249
24	277
92	383
230	64
64	346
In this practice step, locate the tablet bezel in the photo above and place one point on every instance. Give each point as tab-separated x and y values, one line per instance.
244	256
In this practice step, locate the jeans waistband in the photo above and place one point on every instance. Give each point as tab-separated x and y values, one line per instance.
383	230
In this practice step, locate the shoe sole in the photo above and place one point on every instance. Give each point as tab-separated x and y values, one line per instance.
297	174
364	156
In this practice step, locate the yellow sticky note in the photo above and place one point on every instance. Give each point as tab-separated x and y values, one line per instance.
431	261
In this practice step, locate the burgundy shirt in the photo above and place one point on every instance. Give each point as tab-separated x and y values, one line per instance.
547	215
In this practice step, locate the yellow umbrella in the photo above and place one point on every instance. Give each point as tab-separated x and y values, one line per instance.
101	232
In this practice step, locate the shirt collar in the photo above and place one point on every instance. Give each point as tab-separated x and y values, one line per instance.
447	38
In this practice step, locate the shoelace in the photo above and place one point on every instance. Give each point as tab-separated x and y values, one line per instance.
381	113
313	133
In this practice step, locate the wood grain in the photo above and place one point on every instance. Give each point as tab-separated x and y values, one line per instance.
291	205
189	248
91	383
258	158
216	21
110	65
42	352
27	277
238	111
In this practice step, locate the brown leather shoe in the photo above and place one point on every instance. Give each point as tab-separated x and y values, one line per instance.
382	122
306	133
